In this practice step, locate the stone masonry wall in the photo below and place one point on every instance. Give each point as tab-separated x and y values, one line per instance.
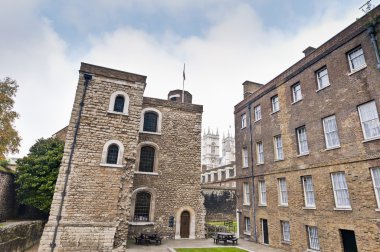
92	209
176	184
8	206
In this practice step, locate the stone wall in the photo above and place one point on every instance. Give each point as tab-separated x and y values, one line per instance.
19	236
220	204
8	205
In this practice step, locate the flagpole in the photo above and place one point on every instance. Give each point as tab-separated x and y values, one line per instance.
183	84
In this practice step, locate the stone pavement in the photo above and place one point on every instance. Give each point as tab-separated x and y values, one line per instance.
204	243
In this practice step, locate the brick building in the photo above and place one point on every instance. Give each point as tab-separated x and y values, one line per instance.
308	148
131	164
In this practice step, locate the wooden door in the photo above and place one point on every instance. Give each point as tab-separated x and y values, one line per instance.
185	224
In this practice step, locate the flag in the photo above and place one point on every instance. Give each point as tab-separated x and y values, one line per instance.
184	77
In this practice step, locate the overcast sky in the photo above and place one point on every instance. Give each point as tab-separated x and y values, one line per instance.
222	42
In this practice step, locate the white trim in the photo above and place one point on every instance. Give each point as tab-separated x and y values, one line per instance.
112	165
332	117
318	78
343	207
353	70
112	103
159	121
103	160
147	173
311	206
377	195
143	223
152	211
156	155
357	70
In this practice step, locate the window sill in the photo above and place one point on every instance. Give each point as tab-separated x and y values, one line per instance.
377	209
258	120
247	233
286	242
117	113
278	160
304	154
112	165
142	223
283	205
312	250
244	167
150	132
357	70
259	163
309	208
322	88
147	173
296	101
371	139
274	112
342	209
332	148
262	205
244	127
245	204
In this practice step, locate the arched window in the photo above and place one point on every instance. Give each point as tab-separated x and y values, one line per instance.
213	148
142	206
119	104
150	121
146	159
112	154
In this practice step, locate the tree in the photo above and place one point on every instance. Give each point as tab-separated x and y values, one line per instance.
37	173
9	138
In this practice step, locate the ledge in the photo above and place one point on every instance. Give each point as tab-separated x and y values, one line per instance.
247	233
342	209
371	139
116	113
257	120
286	242
278	160
246	204
304	154
357	70
147	173
296	101
377	209
309	208
142	223
332	148
274	112
112	165
262	205
322	88
150	132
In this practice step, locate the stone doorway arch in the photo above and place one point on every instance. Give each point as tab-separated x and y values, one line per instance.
180	215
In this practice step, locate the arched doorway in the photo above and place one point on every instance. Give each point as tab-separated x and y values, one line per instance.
179	228
185	224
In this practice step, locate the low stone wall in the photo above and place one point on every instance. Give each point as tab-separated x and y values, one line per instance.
220	204
8	205
19	236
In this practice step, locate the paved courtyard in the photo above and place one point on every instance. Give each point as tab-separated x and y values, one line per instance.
205	243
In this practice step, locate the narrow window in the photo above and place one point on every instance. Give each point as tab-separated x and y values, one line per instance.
257	110
112	154
262	193
356	59
283	191
246	199
213	148
322	78
303	147
203	179
341	195
142	207
308	191
146	159
247	223
231	173
119	104
244	121
331	132
215	176
312	233
369	119
150	121
260	152
278	152
245	157
296	90
275	104
209	177
285	226
376	184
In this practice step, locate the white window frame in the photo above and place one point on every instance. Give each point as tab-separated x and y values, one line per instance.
262	193
296	93
375	120
257	111
246	194
329	134
312	233
376	184
244	155
350	59
103	160
260	152
159	121
285	227
247	225
283	192
275	103
339	191
302	130
321	79
243	120
278	148
308	191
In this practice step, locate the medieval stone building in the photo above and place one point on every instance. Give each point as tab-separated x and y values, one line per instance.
308	148
131	164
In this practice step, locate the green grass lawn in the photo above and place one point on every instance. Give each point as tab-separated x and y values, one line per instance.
210	250
220	223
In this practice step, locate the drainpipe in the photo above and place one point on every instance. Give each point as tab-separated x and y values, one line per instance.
87	78
372	34
253	179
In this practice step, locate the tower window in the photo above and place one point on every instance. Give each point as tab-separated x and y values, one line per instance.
142	207
119	104
147	159
150	121
112	154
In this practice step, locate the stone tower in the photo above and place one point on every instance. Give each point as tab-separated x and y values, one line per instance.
210	149
228	149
